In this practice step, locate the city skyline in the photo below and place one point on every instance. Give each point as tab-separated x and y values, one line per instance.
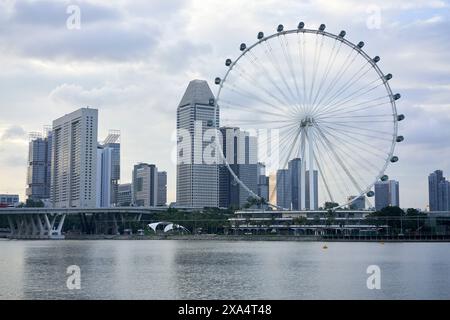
155	91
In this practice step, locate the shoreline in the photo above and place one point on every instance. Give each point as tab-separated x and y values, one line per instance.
213	237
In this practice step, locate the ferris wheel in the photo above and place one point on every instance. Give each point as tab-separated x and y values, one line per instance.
315	97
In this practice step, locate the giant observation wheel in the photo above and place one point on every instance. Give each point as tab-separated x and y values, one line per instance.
318	99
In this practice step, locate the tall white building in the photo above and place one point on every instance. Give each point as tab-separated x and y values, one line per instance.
74	160
197	181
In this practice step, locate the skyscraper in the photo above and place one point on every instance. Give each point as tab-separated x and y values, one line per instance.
284	189
263	182
386	194
437	191
295	172
145	185
240	151
74	159
39	166
197	180
162	188
108	170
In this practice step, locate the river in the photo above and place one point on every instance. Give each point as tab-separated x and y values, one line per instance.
174	269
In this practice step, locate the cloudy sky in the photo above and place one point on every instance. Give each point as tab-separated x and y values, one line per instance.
133	60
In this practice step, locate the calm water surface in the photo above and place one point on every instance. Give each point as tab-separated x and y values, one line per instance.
223	270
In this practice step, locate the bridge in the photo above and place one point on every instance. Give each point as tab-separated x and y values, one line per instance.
47	223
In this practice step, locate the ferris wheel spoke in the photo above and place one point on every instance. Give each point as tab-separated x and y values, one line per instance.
257	84
321	172
289	62
349	107
330	62
348	62
340	132
359	133
315	67
256	64
302	60
369	116
276	65
355	127
251	96
347	100
347	143
340	161
342	187
352	80
224	104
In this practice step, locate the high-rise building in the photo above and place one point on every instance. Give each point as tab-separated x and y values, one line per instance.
74	159
438	191
162	188
145	185
197	180
108	170
316	191
124	195
240	151
39	166
295	172
386	194
284	189
359	203
263	182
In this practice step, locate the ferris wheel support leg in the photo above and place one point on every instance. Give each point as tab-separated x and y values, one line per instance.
303	174
311	174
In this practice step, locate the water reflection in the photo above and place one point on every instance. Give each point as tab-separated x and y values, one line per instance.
222	270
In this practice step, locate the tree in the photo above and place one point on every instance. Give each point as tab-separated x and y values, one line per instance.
330	205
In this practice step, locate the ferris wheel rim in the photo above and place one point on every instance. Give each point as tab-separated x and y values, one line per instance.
352	46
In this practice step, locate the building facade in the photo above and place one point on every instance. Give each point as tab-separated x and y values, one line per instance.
74	160
108	170
240	151
263	182
124	195
438	192
197	180
39	166
145	185
387	194
284	189
162	188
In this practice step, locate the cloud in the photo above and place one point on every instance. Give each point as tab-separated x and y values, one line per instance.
13	132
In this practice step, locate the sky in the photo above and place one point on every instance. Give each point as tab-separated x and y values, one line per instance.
132	60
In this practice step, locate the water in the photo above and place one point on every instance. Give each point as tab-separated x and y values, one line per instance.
223	270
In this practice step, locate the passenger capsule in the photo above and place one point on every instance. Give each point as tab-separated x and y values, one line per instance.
384	178
342	34
400	139
211	102
394	159
217	80
401	117
388	77
243	46
260	35
301	25
360	44
370	194
280	28
322	27
376	59
228	62
397	96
